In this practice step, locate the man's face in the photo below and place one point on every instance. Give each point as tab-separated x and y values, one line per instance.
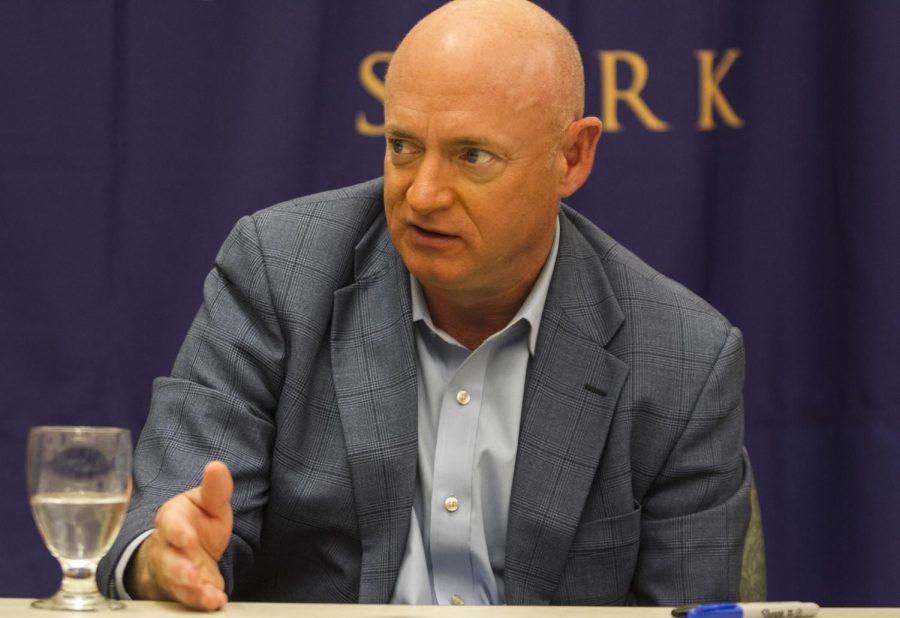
471	180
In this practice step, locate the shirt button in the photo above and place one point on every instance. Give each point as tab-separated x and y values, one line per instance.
451	504
457	600
463	397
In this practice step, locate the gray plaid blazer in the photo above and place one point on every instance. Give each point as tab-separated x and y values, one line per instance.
299	372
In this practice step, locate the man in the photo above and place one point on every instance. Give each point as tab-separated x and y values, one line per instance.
446	388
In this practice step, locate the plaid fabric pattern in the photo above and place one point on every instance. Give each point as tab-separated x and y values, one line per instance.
299	373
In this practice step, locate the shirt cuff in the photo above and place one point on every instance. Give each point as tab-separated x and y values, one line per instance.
123	564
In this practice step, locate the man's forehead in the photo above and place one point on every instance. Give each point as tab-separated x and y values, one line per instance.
452	126
470	84
485	111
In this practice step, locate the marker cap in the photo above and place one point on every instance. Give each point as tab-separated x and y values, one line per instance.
719	610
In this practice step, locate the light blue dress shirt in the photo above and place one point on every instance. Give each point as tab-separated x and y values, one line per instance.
470	405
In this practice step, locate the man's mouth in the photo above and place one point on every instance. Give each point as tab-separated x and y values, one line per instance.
427	232
427	239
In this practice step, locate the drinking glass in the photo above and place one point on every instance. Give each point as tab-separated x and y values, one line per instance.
79	483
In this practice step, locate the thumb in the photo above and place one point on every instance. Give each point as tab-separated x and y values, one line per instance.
215	490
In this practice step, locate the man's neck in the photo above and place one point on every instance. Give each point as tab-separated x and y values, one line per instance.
471	321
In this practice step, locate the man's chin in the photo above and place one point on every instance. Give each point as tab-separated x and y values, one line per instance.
438	279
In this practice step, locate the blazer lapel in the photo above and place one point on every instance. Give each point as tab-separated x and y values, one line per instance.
373	359
571	391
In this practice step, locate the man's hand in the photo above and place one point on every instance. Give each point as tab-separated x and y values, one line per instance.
178	560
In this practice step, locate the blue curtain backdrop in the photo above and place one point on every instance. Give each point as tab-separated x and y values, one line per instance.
134	134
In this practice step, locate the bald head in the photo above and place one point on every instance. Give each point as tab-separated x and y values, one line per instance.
509	48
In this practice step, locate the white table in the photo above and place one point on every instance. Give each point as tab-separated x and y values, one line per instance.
21	608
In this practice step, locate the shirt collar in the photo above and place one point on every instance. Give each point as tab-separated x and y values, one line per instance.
530	311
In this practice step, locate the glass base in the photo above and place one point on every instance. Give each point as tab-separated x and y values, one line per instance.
78	593
61	601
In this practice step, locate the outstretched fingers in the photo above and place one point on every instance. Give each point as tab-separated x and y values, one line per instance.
196	584
191	534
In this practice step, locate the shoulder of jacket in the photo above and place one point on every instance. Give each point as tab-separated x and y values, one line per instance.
347	208
639	288
330	221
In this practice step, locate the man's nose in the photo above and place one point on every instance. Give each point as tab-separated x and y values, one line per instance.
431	186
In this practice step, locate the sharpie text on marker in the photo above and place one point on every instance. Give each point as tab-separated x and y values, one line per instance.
787	609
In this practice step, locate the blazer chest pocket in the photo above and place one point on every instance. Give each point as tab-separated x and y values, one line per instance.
601	561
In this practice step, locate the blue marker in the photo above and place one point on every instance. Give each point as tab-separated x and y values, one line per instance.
787	609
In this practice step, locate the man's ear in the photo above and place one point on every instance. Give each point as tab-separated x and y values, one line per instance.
577	153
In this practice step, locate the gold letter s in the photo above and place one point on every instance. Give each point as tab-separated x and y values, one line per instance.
374	86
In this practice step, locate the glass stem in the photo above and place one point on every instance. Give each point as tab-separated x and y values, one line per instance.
79	584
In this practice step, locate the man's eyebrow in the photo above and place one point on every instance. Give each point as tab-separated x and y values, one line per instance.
398	132
471	140
474	141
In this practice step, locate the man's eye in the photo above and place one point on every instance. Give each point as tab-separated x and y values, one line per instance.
400	146
476	155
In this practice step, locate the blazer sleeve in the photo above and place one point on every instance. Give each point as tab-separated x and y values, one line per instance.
218	403
696	512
